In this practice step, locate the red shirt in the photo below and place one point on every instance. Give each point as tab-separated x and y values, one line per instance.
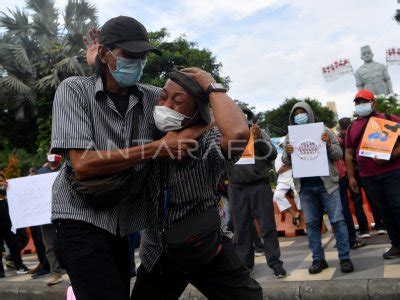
367	166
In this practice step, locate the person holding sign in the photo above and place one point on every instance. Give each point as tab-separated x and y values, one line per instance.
320	193
380	177
250	197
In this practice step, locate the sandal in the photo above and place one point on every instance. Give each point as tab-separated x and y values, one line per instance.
358	244
297	221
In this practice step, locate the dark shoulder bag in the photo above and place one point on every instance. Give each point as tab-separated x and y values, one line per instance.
106	191
194	242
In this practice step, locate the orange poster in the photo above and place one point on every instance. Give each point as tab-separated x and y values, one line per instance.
379	138
248	156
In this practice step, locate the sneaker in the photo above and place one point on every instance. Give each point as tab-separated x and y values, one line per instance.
279	272
346	266
54	279
358	244
317	266
22	270
259	252
40	273
364	235
392	253
381	231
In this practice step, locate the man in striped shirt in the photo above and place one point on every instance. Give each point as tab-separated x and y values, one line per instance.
93	128
191	190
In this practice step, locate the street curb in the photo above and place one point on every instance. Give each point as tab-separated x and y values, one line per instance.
372	289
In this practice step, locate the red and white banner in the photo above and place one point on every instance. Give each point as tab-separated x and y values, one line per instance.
337	69
393	56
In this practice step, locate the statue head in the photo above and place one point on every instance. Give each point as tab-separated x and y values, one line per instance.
366	54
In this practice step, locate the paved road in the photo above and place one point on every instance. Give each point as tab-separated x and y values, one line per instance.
368	261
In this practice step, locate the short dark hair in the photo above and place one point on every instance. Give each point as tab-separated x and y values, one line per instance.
344	123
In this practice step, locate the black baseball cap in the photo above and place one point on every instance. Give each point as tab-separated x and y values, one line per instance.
128	34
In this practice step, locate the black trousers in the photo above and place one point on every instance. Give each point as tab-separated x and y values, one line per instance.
40	248
386	188
8	236
346	211
225	277
253	204
97	262
359	209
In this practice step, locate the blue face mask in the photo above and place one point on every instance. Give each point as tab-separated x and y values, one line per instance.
301	119
363	109
128	71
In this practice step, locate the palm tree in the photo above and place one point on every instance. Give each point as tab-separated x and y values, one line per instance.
39	49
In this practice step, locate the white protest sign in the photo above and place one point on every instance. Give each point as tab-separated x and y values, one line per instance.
29	200
310	157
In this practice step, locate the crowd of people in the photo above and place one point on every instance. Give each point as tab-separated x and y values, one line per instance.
138	158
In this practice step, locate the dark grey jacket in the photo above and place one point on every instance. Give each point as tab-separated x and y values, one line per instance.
242	175
334	152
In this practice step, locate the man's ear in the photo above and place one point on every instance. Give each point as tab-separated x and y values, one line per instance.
102	53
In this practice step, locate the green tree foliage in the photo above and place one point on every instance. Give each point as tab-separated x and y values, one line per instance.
277	120
41	47
388	104
178	52
37	52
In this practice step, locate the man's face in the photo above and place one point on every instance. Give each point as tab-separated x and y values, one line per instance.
366	55
176	98
109	57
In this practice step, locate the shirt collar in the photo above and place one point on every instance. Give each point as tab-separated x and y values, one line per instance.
135	90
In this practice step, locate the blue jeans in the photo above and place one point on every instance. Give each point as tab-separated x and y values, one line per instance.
314	200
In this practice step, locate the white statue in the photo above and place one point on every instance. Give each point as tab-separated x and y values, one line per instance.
372	75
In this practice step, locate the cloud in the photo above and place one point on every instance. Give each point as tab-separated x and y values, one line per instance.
274	49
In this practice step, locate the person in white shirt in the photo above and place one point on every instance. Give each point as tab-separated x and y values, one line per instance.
285	183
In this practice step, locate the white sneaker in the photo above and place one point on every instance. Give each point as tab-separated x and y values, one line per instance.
364	235
381	231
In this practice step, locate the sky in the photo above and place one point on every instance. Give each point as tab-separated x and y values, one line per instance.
273	49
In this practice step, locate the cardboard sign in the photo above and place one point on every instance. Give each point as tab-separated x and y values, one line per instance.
310	158
248	156
29	200
379	138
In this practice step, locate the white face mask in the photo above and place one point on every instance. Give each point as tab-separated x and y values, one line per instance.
363	110
167	119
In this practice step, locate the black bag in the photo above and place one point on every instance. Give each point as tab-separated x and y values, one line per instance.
106	191
193	243
102	192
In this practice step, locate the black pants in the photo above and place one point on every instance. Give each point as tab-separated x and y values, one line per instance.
386	188
346	211
97	262
40	248
225	277
375	203
357	200
253	204
8	236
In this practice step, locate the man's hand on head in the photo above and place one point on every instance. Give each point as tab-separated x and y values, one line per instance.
92	46
202	77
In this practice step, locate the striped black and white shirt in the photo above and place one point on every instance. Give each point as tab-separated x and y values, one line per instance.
192	185
84	117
